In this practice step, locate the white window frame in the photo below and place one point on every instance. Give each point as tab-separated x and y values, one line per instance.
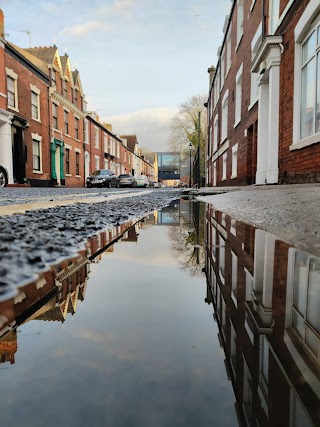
36	92
234	172
224	166
85	131
255	44
96	137
240	19
224	118
302	30
238	96
10	73
97	162
274	15
223	66
69	148
56	105
78	152
38	138
229	51
215	133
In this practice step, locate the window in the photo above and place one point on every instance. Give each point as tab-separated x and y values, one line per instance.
306	301
54	116
223	61
238	96
97	163
11	92
65	88
96	137
53	77
67	156
310	85
77	163
66	122
224	167
85	132
215	133
274	15
229	52
76	96
255	44
76	127
239	21
36	155
35	105
234	278
234	161
224	122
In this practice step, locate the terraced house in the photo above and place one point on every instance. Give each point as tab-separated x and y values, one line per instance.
264	99
47	136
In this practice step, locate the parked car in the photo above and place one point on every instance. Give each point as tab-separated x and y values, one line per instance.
141	181
154	184
3	176
126	180
102	178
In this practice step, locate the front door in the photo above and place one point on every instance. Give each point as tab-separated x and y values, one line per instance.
19	155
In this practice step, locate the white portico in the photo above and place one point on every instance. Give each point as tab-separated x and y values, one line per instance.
6	159
267	64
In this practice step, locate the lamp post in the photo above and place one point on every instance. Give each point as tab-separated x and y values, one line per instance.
190	149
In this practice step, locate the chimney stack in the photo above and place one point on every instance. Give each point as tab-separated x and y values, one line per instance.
1	24
211	71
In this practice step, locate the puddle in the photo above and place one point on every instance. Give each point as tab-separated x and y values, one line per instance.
120	334
266	299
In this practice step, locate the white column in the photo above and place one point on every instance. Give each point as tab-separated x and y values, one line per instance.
263	133
6	157
273	125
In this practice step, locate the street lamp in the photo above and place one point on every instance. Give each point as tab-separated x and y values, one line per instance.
190	149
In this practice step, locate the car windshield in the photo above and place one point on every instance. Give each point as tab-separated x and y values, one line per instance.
105	172
125	176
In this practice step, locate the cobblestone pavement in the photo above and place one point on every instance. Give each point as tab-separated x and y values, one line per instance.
289	211
31	242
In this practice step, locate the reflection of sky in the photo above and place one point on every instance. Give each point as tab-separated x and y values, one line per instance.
142	350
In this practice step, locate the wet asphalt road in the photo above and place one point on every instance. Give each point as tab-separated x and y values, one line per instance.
31	242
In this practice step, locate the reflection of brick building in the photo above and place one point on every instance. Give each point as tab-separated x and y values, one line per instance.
266	298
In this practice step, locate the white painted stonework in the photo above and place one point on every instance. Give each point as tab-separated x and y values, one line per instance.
6	159
267	64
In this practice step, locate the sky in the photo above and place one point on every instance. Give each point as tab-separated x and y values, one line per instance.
138	59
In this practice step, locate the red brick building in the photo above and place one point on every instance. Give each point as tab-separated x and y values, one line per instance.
263	105
266	308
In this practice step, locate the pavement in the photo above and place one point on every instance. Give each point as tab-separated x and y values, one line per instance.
291	212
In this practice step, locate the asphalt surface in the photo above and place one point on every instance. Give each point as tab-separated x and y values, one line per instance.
32	241
291	212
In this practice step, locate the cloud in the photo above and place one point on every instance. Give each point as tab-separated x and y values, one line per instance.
86	28
151	126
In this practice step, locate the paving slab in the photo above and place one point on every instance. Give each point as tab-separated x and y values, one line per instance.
289	211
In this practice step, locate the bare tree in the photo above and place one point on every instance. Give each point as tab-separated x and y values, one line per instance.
184	126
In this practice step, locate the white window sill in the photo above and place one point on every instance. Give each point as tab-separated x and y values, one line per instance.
36	120
3	95
239	42
77	139
78	176
38	172
66	134
223	140
237	123
224	179
253	104
310	140
13	109
86	142
68	174
234	176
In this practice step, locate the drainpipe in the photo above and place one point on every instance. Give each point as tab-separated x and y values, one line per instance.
263	20
49	134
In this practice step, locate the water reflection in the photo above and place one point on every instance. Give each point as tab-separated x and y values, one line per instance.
266	299
56	293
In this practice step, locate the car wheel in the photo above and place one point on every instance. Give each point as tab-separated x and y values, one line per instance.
3	178
89	185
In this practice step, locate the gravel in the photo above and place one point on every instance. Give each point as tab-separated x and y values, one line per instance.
31	242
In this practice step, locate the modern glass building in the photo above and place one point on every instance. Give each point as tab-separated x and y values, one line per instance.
168	166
